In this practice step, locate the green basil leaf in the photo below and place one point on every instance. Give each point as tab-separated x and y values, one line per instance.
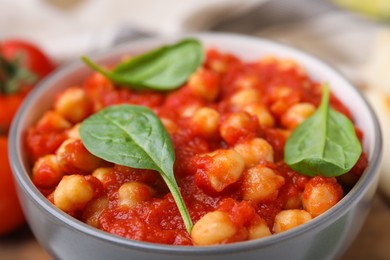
134	136
165	68
324	144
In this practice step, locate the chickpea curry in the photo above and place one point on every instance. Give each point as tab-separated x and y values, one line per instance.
228	123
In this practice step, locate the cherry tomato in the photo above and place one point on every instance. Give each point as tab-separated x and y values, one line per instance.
22	65
32	58
9	104
9	205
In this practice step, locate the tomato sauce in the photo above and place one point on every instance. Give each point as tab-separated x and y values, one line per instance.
282	84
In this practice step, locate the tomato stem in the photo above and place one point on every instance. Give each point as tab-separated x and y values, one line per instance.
13	76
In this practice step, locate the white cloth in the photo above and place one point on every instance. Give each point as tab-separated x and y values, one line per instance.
67	28
343	39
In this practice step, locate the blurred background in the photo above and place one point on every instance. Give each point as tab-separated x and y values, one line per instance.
351	35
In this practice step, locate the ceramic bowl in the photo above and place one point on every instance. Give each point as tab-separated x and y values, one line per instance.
325	237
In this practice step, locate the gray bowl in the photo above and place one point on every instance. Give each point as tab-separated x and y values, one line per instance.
325	237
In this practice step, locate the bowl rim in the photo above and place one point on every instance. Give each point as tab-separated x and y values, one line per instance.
24	182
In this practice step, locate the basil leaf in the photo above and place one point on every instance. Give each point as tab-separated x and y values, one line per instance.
165	68
133	136
324	144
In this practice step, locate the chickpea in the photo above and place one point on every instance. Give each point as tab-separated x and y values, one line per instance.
219	62
225	168
245	97
260	183
73	193
238	125
288	219
296	114
52	120
283	97
247	82
258	230
213	228
132	193
205	84
293	202
73	157
254	151
205	122
93	210
281	92
289	64
46	172
321	194
268	59
101	173
74	132
169	125
262	113
189	110
219	66
74	105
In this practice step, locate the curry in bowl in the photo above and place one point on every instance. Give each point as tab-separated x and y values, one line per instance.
187	146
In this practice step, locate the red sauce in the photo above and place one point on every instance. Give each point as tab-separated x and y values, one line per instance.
282	84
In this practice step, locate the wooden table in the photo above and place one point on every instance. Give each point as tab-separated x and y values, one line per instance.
373	242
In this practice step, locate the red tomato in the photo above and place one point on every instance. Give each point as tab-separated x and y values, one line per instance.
9	205
32	58
21	65
9	104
